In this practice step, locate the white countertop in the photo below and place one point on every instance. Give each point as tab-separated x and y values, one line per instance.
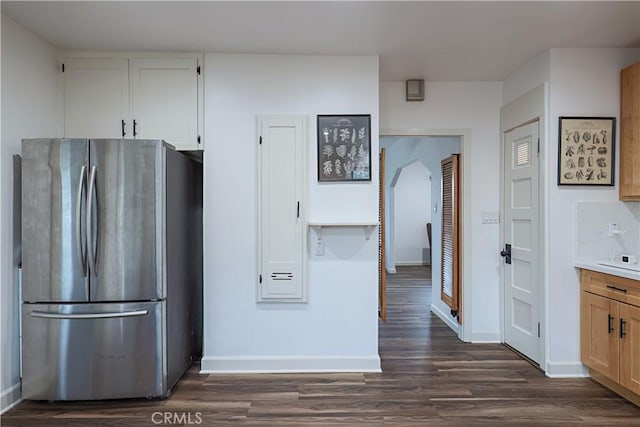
615	271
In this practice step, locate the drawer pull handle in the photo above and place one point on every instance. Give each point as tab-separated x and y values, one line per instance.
609	327
617	289
622	332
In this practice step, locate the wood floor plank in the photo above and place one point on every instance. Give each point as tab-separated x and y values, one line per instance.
429	378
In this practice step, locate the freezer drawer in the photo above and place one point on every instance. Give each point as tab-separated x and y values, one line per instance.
93	351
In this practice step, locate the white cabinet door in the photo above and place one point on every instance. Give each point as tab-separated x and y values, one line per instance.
96	97
164	100
281	233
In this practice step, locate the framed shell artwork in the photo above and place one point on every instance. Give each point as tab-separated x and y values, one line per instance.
344	147
586	150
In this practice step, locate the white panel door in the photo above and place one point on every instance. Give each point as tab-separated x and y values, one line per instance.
96	98
164	100
281	163
521	275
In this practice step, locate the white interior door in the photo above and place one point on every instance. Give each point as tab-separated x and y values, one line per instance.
96	98
281	232
521	269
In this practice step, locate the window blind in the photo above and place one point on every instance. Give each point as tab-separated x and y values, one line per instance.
449	279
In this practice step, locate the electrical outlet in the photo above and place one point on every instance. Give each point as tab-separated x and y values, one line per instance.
319	248
614	229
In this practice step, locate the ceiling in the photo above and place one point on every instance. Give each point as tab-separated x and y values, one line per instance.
450	40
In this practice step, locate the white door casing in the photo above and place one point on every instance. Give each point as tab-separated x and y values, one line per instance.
281	189
520	230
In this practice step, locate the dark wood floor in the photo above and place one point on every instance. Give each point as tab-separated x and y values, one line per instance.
429	377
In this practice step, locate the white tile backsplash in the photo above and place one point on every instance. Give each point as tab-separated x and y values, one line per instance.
593	242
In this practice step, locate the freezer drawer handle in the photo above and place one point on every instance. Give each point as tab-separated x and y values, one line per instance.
46	315
79	249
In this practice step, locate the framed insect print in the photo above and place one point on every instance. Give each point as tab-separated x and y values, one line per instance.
344	148
586	150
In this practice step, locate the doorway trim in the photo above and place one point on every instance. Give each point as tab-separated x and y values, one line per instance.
465	332
530	107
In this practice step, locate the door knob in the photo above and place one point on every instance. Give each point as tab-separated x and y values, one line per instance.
506	253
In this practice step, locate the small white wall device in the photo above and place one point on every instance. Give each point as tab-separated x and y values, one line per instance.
628	259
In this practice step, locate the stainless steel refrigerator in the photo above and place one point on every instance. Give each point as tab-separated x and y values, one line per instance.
111	268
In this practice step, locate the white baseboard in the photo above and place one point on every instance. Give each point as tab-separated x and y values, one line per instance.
288	364
485	337
446	318
566	370
391	270
10	398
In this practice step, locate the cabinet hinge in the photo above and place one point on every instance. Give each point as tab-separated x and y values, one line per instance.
260	279
198	139
260	142
63	68
198	70
538	329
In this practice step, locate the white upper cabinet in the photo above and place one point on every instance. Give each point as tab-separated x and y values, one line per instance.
143	96
96	97
164	100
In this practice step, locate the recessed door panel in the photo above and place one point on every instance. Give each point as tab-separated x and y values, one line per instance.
522	316
522	275
522	233
521	193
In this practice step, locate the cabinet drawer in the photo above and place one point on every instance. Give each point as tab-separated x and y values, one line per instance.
614	287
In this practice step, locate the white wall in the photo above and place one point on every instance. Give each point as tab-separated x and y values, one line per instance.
593	242
531	75
412	212
337	328
29	110
583	82
473	107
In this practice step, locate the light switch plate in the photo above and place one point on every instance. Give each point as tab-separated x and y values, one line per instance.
490	217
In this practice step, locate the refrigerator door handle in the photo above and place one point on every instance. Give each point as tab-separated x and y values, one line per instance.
91	253
80	251
49	315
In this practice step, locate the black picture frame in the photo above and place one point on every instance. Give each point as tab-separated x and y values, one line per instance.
586	150
344	147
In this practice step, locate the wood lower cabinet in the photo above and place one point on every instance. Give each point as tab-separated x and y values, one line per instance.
610	331
630	347
598	341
